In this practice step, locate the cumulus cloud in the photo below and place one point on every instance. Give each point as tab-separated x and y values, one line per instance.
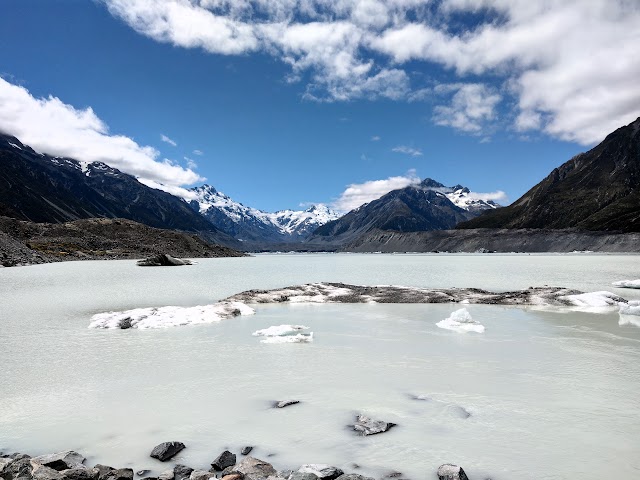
358	194
571	66
198	152
166	139
471	106
498	196
375	138
414	152
48	125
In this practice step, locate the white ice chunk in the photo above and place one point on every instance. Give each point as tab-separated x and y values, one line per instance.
461	321
279	330
627	284
594	302
163	317
299	338
630	313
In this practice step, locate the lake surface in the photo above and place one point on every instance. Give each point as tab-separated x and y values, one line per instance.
552	394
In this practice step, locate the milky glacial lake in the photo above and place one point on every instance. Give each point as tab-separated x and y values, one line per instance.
551	393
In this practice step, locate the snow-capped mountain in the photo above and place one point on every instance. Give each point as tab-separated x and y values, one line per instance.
461	197
253	225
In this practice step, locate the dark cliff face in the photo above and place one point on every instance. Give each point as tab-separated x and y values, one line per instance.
411	209
41	188
596	190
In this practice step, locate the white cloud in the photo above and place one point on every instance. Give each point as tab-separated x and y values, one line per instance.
498	196
172	189
50	126
191	163
375	138
471	106
358	194
198	152
414	152
166	139
572	65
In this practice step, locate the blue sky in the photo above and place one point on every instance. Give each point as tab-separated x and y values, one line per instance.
279	106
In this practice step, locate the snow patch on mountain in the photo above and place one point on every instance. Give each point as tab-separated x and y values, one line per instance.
287	223
461	197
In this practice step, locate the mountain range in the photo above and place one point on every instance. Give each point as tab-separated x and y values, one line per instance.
426	206
252	225
598	190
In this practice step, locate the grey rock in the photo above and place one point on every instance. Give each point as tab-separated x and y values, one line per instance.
285	473
163	260
103	470
322	471
166	450
368	426
19	456
119	474
41	472
285	403
254	468
201	475
354	476
302	476
81	473
233	476
142	473
166	475
61	460
181	472
246	450
17	468
4	461
224	460
449	471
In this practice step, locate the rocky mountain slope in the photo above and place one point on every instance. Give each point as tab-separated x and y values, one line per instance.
423	207
494	240
596	190
23	243
40	188
252	225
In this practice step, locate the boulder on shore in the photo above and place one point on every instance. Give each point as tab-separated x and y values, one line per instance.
40	472
253	469
81	473
166	450
224	460
368	426
322	471
451	472
181	472
163	260
61	460
246	450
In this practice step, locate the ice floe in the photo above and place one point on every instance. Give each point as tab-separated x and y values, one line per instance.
627	284
462	322
284	334
299	338
594	302
163	317
629	313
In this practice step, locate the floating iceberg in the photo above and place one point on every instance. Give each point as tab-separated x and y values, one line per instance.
284	334
299	338
163	317
461	321
627	284
594	302
630	313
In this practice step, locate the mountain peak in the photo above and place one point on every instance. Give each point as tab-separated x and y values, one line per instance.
431	183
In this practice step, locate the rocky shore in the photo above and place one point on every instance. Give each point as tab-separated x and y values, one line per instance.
28	243
70	465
